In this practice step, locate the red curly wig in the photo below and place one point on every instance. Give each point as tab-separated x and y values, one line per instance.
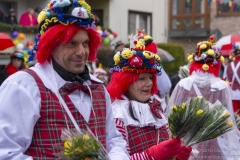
120	82
64	33
213	69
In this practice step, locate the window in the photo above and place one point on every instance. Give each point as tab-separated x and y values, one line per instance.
98	17
189	14
139	20
228	8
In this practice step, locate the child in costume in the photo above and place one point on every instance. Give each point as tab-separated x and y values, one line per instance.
204	81
137	108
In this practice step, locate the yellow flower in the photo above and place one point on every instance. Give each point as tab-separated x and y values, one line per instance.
86	137
77	151
174	108
67	144
199	97
225	114
200	111
184	105
230	123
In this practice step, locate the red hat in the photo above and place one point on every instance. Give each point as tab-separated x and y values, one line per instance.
151	47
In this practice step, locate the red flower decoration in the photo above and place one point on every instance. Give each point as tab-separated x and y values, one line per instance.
136	61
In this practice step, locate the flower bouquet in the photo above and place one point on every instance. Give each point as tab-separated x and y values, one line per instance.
198	120
237	118
81	146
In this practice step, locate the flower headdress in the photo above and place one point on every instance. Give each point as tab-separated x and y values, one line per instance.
64	12
136	58
206	51
236	52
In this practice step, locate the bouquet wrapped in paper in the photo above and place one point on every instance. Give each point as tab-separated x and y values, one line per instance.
81	146
198	120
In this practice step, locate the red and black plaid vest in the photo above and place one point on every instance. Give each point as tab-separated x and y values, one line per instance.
235	84
142	138
47	130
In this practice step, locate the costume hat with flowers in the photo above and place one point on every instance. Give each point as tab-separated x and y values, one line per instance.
206	53
136	58
235	53
64	12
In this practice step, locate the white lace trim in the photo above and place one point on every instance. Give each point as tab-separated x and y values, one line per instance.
140	110
203	79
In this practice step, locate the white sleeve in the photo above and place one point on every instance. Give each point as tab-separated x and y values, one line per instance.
163	83
116	145
19	111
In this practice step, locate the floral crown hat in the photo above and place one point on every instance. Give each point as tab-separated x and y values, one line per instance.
236	52
206	51
137	59
64	12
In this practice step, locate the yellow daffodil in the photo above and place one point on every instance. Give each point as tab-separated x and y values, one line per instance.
225	114
199	97
200	111
184	105
67	145
86	137
77	151
174	108
230	123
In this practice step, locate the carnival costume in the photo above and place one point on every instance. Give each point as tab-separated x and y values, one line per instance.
204	81
232	74
38	103
142	124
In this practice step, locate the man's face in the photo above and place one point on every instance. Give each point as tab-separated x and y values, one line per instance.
73	55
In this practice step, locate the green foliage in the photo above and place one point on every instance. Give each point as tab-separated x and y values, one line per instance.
9	28
178	53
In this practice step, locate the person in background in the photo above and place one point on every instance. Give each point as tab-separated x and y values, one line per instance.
101	74
58	93
137	107
16	64
118	46
204	81
28	18
232	74
2	18
11	19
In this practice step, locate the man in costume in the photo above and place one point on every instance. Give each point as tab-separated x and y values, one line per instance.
232	74
58	92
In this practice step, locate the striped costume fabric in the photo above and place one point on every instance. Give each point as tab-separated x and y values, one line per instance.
235	85
146	138
47	131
